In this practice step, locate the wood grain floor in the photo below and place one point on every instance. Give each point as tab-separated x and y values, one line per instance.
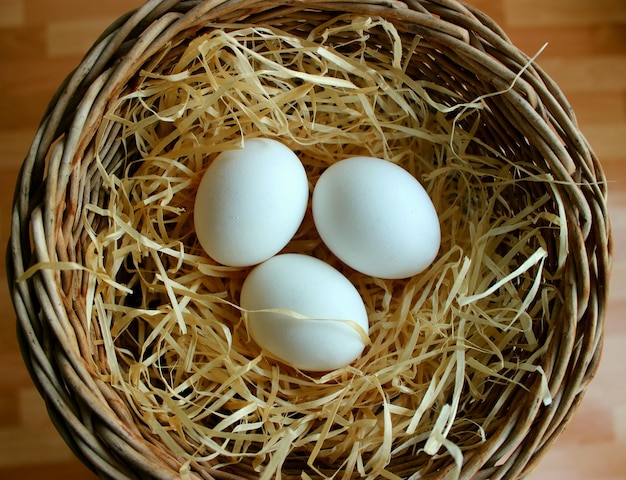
40	42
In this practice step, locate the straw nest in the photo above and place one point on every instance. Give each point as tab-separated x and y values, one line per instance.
135	337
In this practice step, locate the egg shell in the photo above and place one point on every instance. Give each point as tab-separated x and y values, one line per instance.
376	217
250	202
304	286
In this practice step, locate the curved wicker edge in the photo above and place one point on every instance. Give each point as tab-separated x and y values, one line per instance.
83	409
96	435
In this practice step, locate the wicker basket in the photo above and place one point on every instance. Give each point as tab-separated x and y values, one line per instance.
462	50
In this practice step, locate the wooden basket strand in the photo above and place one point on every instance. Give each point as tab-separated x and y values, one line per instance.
58	178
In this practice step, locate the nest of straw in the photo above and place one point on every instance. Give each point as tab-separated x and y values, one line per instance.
135	336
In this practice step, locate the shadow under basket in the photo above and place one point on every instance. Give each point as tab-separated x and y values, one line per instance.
481	426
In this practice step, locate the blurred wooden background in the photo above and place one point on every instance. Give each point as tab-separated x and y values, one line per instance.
42	40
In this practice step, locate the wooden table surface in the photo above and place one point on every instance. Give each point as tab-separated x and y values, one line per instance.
42	40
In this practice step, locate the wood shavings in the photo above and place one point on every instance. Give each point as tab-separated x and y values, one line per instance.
441	342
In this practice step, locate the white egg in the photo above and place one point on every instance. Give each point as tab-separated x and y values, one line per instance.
250	202
310	312
376	217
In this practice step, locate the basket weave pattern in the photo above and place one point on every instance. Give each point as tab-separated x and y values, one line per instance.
462	50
